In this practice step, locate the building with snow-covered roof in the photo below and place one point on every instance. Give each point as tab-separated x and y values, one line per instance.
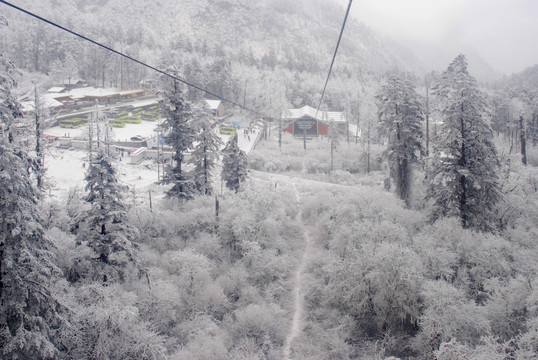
215	106
81	92
56	89
46	102
104	95
131	93
310	122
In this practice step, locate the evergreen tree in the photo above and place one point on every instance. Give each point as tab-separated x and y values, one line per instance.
205	157
105	228
463	181
30	313
400	118
234	165
180	134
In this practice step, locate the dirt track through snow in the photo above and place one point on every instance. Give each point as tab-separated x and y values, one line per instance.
298	289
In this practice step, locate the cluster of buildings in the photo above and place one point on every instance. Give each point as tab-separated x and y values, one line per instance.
77	96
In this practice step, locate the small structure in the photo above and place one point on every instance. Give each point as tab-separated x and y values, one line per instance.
215	106
104	95
305	121
129	94
138	155
46	102
56	89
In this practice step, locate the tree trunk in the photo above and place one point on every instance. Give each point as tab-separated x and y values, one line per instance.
332	156
523	143
368	151
427	122
358	123
280	132
304	138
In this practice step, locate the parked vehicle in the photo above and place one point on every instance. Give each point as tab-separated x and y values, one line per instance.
227	130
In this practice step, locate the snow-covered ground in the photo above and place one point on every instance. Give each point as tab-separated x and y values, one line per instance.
66	167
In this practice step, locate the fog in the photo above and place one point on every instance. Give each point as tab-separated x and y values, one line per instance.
503	32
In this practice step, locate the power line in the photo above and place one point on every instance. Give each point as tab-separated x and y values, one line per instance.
334	56
131	58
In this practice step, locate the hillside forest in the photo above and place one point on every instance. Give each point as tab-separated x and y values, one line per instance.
415	238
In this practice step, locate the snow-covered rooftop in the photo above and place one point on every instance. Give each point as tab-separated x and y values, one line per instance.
336	116
130	92
46	102
80	93
102	92
49	101
56	89
212	104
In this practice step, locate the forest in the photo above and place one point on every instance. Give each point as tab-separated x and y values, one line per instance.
415	240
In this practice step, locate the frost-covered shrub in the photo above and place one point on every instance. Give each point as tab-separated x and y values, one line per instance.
532	156
205	344
256	161
341	177
507	306
528	341
274	160
106	324
448	314
262	323
317	162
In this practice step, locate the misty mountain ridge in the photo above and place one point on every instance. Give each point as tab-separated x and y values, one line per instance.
278	27
191	35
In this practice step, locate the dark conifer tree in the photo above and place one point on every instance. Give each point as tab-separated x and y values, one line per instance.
180	134
30	312
400	118
463	179
234	165
205	156
105	228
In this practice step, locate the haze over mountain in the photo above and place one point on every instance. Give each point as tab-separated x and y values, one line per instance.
501	31
261	53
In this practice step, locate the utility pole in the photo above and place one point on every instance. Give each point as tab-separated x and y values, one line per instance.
347	129
245	94
97	121
304	136
217	206
121	65
158	163
90	137
347	122
280	132
358	122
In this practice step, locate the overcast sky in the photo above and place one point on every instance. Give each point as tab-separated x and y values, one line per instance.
503	32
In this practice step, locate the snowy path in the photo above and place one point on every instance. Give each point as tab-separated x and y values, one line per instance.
297	321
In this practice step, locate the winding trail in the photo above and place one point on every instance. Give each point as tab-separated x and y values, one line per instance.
297	321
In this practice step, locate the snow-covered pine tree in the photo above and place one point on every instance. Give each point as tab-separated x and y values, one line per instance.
234	165
105	228
463	181
400	117
180	133
30	313
205	155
